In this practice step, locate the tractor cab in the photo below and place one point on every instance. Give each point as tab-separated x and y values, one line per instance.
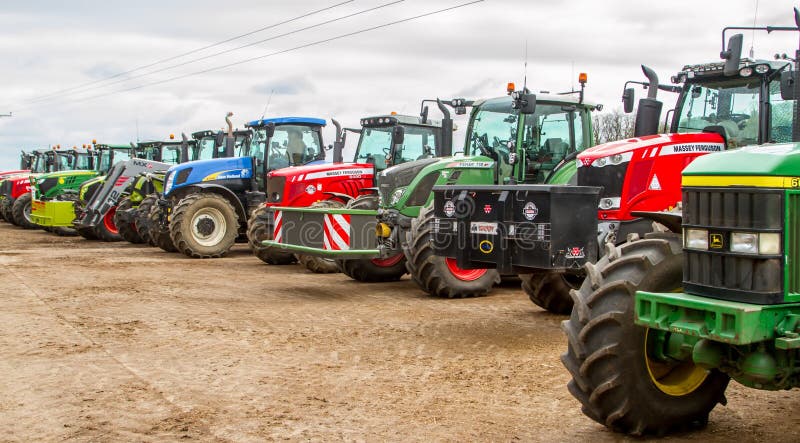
110	154
388	140
528	146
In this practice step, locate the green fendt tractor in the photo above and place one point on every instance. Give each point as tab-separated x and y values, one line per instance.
381	237
662	323
53	195
127	216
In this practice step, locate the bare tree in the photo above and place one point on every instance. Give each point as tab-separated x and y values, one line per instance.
614	125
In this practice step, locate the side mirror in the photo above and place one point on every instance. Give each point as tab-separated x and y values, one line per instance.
398	135
627	100
219	139
424	115
788	79
732	55
270	130
525	103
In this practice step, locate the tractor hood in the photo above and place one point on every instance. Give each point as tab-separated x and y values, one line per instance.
65	174
198	171
650	146
777	160
6	174
324	170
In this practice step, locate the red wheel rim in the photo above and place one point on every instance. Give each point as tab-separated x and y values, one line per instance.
463	274
386	262
108	221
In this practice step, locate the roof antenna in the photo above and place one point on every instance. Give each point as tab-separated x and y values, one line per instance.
753	38
269	100
525	77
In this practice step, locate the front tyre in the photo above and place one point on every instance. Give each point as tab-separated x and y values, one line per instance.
141	218
260	227
616	374
127	230
21	212
106	229
320	265
440	276
550	289
376	269
204	225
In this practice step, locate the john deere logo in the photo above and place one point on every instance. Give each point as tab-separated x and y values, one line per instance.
716	241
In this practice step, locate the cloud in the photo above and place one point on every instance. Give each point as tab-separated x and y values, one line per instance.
470	52
286	86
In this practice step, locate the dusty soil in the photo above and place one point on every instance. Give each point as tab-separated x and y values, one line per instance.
118	342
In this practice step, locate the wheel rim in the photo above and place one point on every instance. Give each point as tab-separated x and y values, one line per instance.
208	226
108	221
463	274
672	378
26	212
387	262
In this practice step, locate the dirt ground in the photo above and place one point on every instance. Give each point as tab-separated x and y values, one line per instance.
119	342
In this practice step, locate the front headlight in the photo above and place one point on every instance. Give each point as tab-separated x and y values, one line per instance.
696	239
396	196
744	242
169	182
769	243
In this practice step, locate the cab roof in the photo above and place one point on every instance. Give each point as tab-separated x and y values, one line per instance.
548	98
287	121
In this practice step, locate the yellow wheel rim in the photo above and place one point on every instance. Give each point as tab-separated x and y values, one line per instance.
673	379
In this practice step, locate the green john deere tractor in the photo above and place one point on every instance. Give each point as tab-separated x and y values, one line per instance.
662	323
519	138
53	195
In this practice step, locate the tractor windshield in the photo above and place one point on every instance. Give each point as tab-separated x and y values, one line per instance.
118	154
550	135
39	164
82	161
204	150
291	145
171	154
375	146
63	161
730	104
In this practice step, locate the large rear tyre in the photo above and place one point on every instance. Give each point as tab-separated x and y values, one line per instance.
6	205
158	231
204	225
440	276
320	265
127	230
260	227
616	373
372	270
141	218
550	289
21	212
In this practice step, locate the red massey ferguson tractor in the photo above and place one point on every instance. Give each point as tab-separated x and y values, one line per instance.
642	174
384	141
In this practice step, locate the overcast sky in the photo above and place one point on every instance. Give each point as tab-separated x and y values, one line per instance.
472	52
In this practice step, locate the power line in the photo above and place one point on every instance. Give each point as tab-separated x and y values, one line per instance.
193	51
216	54
284	51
